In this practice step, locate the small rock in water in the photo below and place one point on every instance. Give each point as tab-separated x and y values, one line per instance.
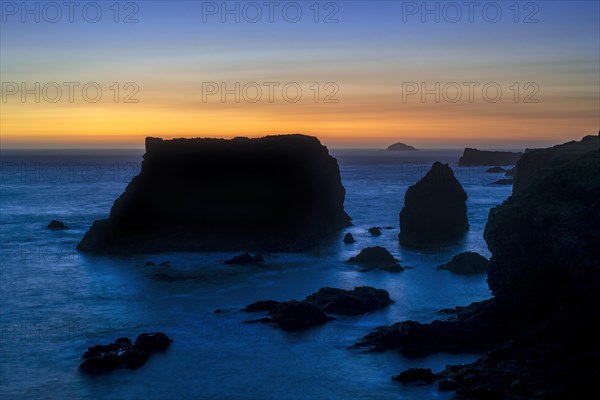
376	257
349	239
123	354
149	264
54	224
296	315
467	263
375	231
360	300
152	342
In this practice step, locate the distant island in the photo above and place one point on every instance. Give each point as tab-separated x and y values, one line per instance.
401	147
474	157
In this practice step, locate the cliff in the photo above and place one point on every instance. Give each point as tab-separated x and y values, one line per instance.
279	193
540	161
549	229
435	209
474	157
545	279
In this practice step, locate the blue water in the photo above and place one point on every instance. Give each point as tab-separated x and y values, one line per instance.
55	302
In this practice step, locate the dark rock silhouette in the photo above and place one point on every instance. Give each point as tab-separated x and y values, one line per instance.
296	315
467	263
511	172
474	157
150	264
348	238
360	300
545	232
263	305
376	257
495	170
435	210
124	354
401	147
54	224
245	258
540	161
152	342
508	181
475	328
280	193
418	376
544	275
375	231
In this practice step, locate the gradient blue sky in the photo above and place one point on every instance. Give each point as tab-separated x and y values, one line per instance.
369	53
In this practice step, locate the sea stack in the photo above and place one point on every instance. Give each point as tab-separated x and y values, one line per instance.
435	209
276	193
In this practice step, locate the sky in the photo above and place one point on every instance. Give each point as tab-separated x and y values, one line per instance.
106	74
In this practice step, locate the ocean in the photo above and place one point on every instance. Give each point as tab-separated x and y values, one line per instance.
55	301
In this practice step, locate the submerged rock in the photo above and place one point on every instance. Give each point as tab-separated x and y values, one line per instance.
123	354
348	238
376	257
435	209
467	263
245	258
474	157
508	181
54	224
360	300
280	193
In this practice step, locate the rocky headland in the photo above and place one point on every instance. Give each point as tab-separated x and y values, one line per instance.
535	333
474	157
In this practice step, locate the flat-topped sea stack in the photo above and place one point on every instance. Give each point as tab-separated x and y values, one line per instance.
474	157
277	193
401	147
435	209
